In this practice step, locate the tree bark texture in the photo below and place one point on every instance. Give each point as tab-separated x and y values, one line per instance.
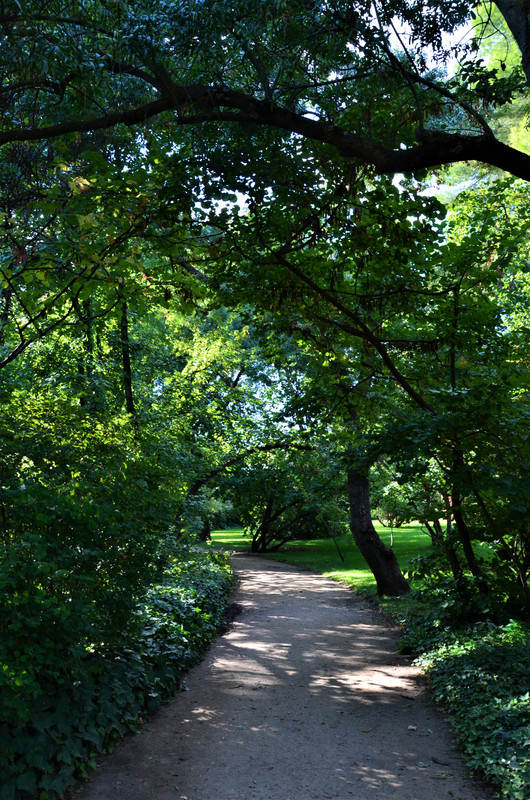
380	558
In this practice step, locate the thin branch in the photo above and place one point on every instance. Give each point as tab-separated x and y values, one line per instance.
266	448
361	330
26	342
187	267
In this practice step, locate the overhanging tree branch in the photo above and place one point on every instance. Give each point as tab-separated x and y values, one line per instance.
359	329
265	448
199	104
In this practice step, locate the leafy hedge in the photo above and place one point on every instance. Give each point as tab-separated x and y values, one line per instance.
481	674
57	718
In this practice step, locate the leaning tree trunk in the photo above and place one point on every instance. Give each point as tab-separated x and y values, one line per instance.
461	526
259	539
380	558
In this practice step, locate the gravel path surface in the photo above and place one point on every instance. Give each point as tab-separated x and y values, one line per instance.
304	698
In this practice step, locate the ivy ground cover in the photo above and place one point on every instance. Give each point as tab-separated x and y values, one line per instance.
57	717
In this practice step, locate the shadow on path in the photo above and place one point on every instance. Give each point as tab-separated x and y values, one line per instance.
304	698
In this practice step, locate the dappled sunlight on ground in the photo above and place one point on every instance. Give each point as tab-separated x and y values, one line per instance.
304	698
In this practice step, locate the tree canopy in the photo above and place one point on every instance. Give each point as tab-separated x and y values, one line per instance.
237	257
255	257
401	85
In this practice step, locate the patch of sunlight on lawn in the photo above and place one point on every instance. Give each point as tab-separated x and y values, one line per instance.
322	555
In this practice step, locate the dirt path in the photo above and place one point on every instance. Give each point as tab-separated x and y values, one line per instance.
304	698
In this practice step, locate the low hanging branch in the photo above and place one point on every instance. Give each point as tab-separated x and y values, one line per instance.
265	448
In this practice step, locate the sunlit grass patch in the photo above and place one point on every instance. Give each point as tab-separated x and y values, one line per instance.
339	559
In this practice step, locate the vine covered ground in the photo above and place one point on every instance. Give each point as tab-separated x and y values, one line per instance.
60	715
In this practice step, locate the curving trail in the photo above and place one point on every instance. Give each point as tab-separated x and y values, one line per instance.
305	698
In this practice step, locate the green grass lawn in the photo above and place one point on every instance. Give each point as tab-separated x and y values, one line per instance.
321	555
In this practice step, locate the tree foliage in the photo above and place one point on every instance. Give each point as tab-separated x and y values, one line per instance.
236	259
327	72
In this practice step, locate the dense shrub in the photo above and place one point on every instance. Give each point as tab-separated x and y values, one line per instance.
481	674
59	713
83	507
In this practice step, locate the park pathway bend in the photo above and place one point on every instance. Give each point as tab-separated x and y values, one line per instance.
304	698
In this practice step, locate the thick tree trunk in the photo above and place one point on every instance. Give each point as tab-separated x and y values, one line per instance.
380	558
